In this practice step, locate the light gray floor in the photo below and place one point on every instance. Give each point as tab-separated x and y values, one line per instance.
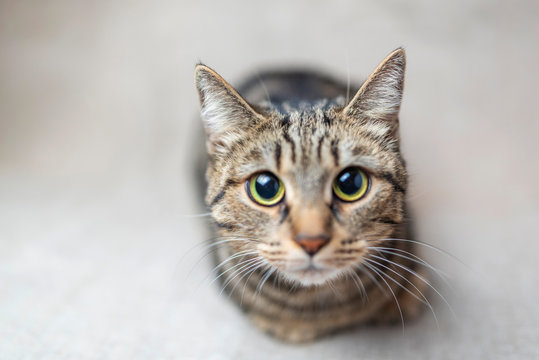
97	116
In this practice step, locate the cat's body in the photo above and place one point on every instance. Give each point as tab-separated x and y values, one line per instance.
307	196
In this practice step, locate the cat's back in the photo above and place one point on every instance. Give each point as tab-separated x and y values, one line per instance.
292	87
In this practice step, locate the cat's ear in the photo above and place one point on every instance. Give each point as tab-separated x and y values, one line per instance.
379	98
226	115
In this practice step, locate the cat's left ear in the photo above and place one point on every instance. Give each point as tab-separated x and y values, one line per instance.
226	115
379	98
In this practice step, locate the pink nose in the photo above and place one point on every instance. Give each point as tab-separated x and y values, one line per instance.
311	244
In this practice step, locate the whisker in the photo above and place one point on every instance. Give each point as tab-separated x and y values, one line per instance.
263	87
199	260
424	299
234	256
376	271
261	284
247	281
261	274
236	273
332	287
420	278
275	280
369	275
195	215
414	258
208	244
430	246
241	263
245	273
347	77
294	286
210	248
418	195
239	271
208	253
359	284
232	240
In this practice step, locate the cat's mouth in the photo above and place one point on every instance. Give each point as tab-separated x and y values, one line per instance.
312	274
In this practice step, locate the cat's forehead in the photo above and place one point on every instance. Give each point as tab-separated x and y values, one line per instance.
305	123
305	144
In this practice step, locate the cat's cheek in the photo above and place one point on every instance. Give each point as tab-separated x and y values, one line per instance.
254	219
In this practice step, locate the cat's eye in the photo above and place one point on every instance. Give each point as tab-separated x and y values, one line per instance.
351	184
265	189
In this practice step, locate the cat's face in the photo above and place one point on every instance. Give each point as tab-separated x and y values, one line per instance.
307	191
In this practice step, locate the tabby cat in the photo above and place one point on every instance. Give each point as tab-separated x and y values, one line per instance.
307	195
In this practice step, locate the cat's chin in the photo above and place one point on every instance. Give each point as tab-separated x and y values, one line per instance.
313	276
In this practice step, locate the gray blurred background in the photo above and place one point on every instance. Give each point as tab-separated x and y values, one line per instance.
98	245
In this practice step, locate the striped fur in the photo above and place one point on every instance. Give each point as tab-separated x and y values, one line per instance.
306	139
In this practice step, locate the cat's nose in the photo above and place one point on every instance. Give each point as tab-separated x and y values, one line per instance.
311	244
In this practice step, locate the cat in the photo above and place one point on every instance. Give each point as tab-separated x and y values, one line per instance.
307	196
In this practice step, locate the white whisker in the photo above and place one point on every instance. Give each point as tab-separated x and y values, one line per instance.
264	88
423	298
241	263
422	243
420	278
195	215
234	256
376	271
347	78
359	284
413	258
239	271
332	287
261	284
370	276
247	281
246	271
208	244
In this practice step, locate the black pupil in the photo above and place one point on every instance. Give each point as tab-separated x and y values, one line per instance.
267	186
350	181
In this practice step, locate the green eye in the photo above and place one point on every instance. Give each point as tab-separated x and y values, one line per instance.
265	189
351	184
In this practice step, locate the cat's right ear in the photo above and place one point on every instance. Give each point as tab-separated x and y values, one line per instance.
226	115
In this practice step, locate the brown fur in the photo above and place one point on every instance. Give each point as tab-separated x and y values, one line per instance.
306	146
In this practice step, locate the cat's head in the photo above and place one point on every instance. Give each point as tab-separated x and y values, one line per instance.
306	191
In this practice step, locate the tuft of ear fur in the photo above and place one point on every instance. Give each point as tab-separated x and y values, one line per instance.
379	98
225	113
